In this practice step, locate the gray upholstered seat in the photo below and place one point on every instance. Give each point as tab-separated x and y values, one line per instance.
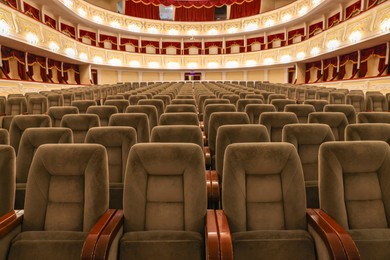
336	120
187	118
354	179
348	110
4	136
337	97
56	113
368	131
179	101
37	104
177	134
15	106
149	110
83	105
357	101
209	109
165	98
275	96
7	178
159	104
139	121
118	141
255	110
280	104
317	104
307	139
135	98
373	117
233	98
121	104
103	112
376	103
275	121
80	124
178	108
301	110
242	103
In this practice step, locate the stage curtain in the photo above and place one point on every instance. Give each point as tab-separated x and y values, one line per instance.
275	37
53	64
350	57
11	3
372	3
155	44
379	51
238	10
194	14
148	11
314	28
9	53
311	65
31	61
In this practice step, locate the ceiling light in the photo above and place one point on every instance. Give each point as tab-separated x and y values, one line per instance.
53	46
68	3
285	58
98	59
70	52
4	27
301	55
115	24
251	26
81	12
303	10
385	25
269	23
192	65
152	30
355	36
212	65
268	61
173	65
232	30
286	17
333	44
133	28
97	19
213	31
232	64
134	63
115	62
173	32
83	56
32	38
153	64
192	32
315	51
250	63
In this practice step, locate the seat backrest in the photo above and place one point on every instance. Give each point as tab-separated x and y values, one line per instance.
68	98
2	105
179	119
231	97
37	105
255	110
242	103
178	101
109	97
215	101
377	103
368	131
275	96
202	99
230	134
177	108
219	119
280	104
357	101
21	122
348	110
74	179
56	113
263	187
15	106
177	134
354	176
373	117
118	141
103	112
83	105
134	99
301	111
121	104
7	178
31	139
149	110
159	104
209	109
165	98
336	120
322	95
139	121
275	121
317	104
80	124
337	97
165	188
4	136
6	122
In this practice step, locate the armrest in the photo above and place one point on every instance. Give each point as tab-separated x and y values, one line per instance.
326	233
93	236
214	181
10	221
345	238
225	238
208	187
211	232
207	155
108	235
201	125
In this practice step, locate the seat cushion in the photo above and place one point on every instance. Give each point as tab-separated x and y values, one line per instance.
162	245
372	243
270	244
47	245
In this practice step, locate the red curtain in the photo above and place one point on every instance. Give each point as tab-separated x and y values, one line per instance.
88	34
251	41
372	3
192	3
329	64
31	61
112	39
314	28
11	3
50	22
311	65
67	67
68	30
229	45
208	45
194	14
125	41
333	20
238	10
31	11
295	33
148	11
9	53
379	51
274	37
188	45
353	10
166	45
146	43
350	57
53	64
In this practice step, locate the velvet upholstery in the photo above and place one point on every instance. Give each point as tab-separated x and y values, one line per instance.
111	97
373	117
187	118
118	141
164	202
263	196
201	100
7	178
149	110
254	96
134	99
159	104
15	106
2	105
209	109
4	136
357	101
83	105
368	131
336	120
21	122
67	192
336	98
242	103
56	113
275	96
255	110
80	124
177	108
243	133
354	178
165	98
348	110
183	102
310	94
5	122
119	103
323	95
139	121
317	104
280	104
275	121
177	134
232	98
214	101
301	111
37	105
103	112
307	139
376	103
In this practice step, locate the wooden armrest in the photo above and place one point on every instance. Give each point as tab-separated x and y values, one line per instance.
327	234
225	237
208	187
212	240
214	180
108	235
93	236
207	155
201	125
345	238
10	221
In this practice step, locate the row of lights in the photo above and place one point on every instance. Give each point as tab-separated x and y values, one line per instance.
153	30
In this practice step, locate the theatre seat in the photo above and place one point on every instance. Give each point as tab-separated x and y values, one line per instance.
373	117
317	104
103	112
80	124
165	98
336	120
15	106
354	179
56	114
37	104
7	178
148	110
187	118
179	101
348	110
117	140
139	121
209	109
280	104
302	111
83	105
275	121
121	104
307	139
159	104
232	98
135	98
255	110
376	103
66	205
242	103
275	96
368	131
4	136
178	108
357	101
